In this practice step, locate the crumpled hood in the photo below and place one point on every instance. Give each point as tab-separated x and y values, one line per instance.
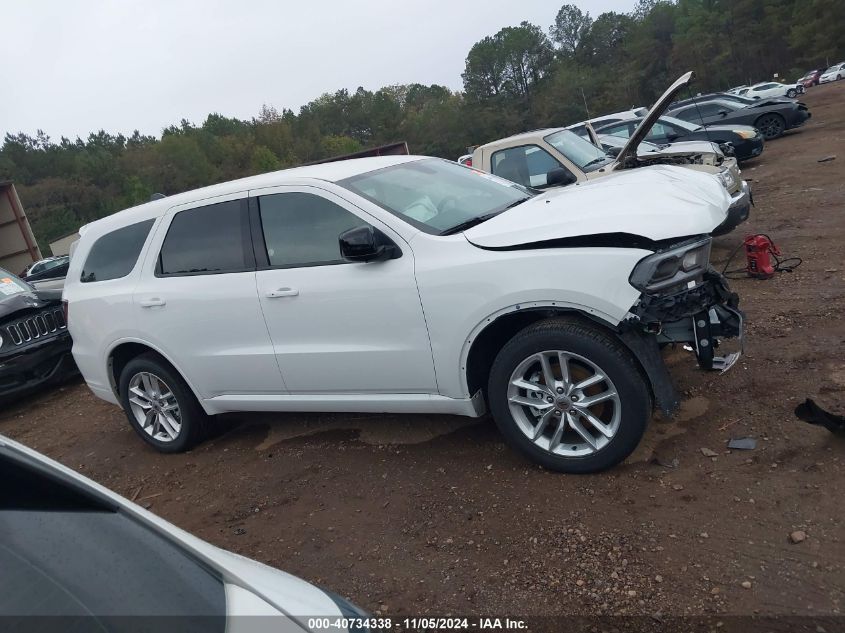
683	147
16	303
657	203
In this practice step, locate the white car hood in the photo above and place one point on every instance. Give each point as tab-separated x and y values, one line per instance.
657	203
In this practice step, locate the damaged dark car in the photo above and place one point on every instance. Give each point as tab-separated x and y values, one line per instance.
35	346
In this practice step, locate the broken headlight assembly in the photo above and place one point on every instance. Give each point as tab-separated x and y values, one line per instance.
674	269
727	178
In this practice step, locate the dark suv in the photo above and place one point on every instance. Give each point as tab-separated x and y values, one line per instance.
34	341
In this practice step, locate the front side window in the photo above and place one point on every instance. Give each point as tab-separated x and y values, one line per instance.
578	150
207	240
114	254
435	195
527	165
302	229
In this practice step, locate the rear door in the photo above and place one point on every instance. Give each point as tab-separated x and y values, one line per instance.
337	326
197	301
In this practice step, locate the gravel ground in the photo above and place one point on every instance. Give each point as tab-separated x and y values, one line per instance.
430	515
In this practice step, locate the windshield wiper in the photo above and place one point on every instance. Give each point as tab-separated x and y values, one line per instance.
595	160
468	224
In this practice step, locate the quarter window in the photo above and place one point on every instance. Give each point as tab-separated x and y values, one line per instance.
207	240
114	254
527	165
302	229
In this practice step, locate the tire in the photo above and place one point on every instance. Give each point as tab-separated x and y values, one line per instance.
792	93
771	125
150	370
590	354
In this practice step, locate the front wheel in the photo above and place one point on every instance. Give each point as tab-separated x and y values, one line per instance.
791	93
770	126
160	405
569	397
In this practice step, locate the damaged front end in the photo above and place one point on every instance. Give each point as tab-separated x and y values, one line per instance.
684	301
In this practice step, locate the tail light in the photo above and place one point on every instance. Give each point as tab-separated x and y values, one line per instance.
65	310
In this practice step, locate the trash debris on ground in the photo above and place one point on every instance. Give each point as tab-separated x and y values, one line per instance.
827	158
708	452
743	443
810	412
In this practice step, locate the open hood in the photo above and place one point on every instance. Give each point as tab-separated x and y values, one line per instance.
658	203
660	106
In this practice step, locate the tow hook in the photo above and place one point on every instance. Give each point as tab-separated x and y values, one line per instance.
708	326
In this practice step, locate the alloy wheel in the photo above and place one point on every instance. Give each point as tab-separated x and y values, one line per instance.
155	407
564	403
770	126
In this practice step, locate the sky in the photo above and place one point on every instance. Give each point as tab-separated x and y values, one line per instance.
71	68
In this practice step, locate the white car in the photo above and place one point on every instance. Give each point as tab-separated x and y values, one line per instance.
769	89
405	284
834	73
73	552
580	128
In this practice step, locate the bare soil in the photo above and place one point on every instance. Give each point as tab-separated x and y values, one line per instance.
429	515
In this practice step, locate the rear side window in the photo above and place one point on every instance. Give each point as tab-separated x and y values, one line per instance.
301	229
207	240
114	254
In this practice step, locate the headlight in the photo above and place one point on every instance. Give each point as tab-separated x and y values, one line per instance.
745	133
727	179
676	267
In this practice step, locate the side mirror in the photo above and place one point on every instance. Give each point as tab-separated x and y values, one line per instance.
367	244
613	151
672	137
723	113
559	177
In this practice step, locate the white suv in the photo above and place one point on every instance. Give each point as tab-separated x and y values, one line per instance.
411	285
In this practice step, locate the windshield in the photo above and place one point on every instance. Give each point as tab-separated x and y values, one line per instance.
437	195
11	284
580	151
832	68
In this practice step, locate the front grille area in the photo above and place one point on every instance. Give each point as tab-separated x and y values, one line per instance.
35	326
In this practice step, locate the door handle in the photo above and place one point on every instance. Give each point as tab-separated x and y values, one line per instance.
152	302
282	292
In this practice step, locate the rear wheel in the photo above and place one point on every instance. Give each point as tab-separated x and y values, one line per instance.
160	406
569	397
770	125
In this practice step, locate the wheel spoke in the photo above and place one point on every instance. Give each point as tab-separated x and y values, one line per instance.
144	404
548	374
528	401
140	393
576	426
563	359
542	423
561	425
149	418
600	426
167	424
602	397
531	386
148	386
589	382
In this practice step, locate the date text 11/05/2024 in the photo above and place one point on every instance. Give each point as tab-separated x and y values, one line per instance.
416	624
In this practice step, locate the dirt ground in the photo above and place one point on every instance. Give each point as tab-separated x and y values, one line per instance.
429	515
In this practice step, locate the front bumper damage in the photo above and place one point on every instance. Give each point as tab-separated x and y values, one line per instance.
25	369
700	316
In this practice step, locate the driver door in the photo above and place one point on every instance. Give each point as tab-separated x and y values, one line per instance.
337	327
